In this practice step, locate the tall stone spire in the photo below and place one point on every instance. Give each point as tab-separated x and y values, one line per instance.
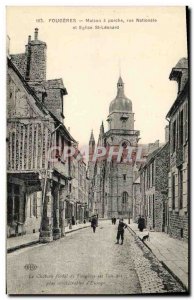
91	146
101	135
102	128
92	140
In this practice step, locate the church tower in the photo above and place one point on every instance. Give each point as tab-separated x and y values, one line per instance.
119	175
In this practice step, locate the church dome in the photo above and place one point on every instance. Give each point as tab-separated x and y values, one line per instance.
121	103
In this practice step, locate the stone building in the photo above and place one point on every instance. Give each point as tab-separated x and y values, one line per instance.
137	208
112	178
178	176
38	186
77	206
154	188
90	174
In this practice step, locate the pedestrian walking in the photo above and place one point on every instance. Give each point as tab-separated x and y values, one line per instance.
115	220
141	223
112	221
120	232
73	220
94	223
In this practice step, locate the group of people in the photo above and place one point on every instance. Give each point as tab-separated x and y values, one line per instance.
121	226
114	220
120	229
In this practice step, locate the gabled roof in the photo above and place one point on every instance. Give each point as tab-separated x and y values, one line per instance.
182	63
154	154
55	84
19	61
178	101
39	104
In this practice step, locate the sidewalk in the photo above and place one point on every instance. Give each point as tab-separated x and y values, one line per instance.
173	253
18	242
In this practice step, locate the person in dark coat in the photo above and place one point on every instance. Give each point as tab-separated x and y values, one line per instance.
73	220
141	223
94	223
115	220
112	220
120	232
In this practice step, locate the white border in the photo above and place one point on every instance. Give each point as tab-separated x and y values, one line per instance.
3	5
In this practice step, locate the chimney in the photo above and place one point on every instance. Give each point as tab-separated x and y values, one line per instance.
36	34
36	59
167	134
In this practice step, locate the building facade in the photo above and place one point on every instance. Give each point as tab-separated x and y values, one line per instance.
37	175
178	176
112	178
154	189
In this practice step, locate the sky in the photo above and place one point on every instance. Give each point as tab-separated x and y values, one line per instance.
90	61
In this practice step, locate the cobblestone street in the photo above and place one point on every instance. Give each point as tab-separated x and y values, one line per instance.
88	263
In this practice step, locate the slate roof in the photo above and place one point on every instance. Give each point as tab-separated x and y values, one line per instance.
20	61
182	63
55	84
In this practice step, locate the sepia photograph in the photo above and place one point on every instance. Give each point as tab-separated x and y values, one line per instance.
97	150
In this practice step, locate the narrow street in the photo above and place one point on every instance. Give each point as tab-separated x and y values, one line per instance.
87	263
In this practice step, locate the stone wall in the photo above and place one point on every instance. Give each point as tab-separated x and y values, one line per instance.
178	225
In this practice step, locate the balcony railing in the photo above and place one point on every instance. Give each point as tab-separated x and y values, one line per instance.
121	131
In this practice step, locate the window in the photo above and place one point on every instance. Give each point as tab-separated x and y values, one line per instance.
34	205
150	206
148	176
153	173
173	191
181	128
150	171
124	201
173	136
124	177
125	196
186	121
180	189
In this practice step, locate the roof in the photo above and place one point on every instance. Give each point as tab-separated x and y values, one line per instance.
37	42
20	61
121	103
178	101
92	137
39	104
120	80
180	66
182	63
154	154
55	84
63	127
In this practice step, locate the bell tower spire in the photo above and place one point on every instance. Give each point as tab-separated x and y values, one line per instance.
92	140
120	88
